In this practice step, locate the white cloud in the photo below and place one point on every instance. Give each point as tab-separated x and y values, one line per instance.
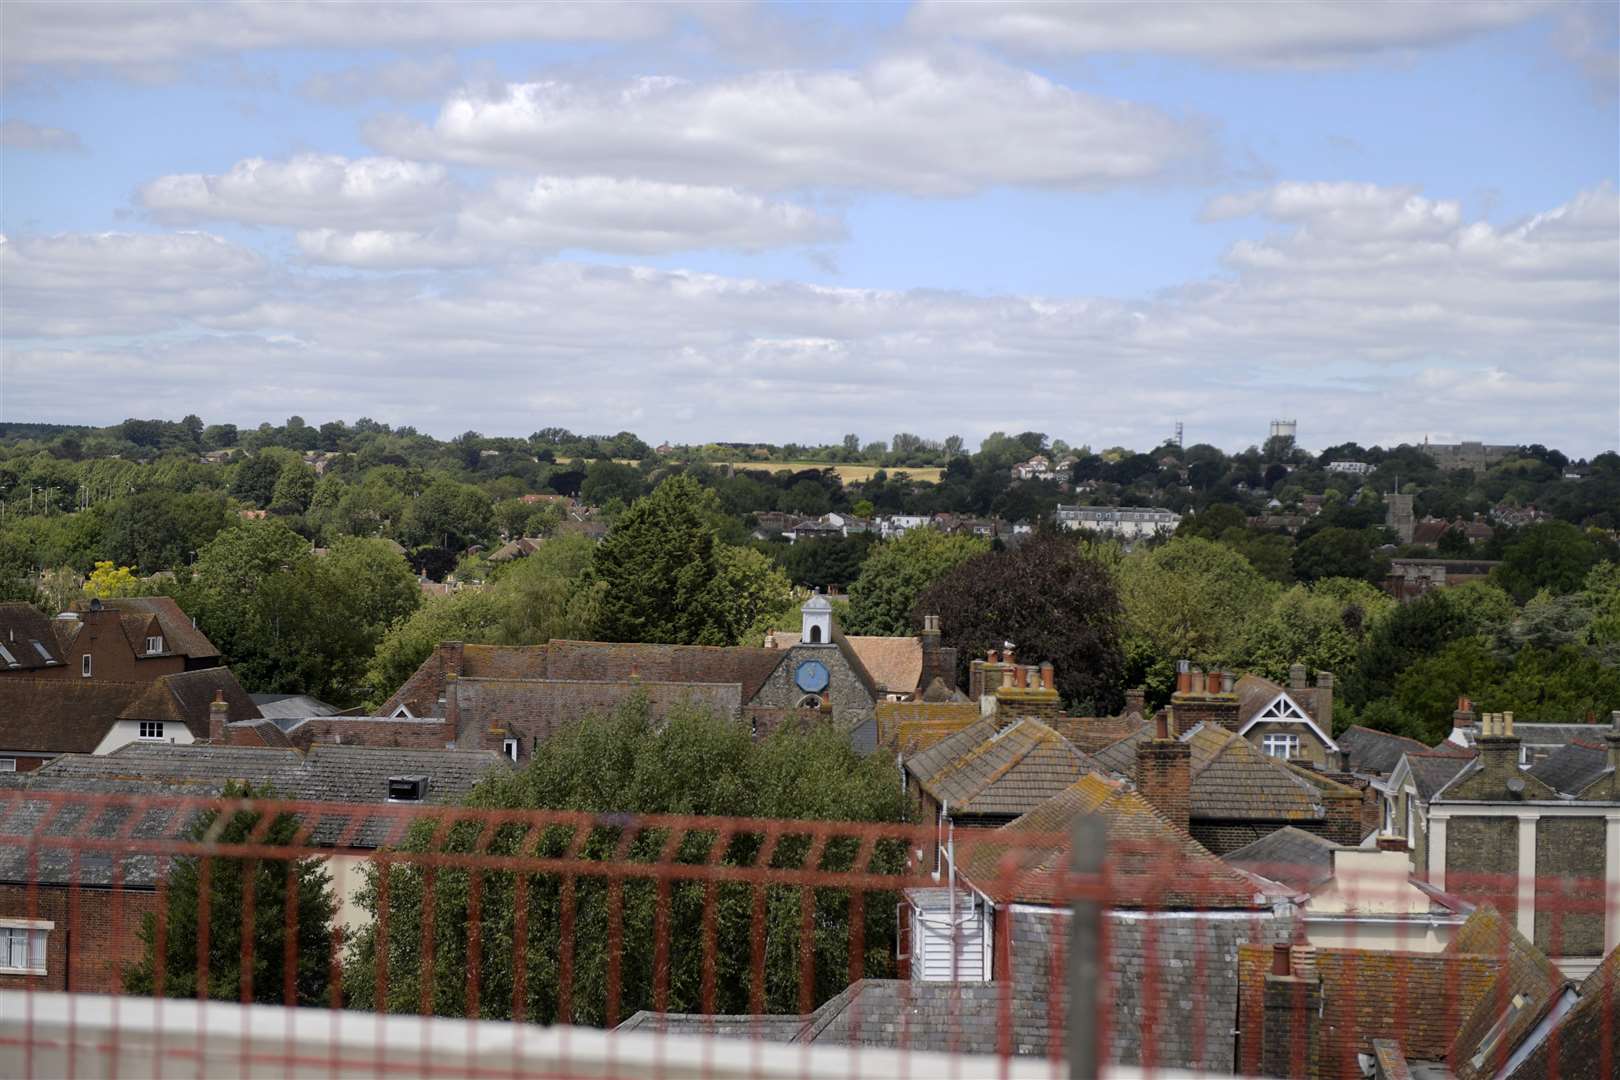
406	79
310	189
21	135
143	36
1327	32
941	124
1366	326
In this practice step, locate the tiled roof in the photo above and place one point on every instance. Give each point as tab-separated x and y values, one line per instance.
1584	1044
1533	734
27	638
1573	766
1434	769
1151	863
895	663
179	636
1527	984
541	707
60	715
1296	858
912	726
185	696
1120	756
1231	780
998	772
1255	692
1373	751
600	660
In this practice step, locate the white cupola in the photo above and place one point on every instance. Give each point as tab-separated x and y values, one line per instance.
817	629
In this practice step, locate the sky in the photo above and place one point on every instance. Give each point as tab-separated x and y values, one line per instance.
788	222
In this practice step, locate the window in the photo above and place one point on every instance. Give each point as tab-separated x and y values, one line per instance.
509	747
8	764
815	635
1283	746
152	729
154	644
84	665
22	946
5	654
407	788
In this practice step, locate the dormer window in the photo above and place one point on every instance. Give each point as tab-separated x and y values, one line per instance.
407	788
154	643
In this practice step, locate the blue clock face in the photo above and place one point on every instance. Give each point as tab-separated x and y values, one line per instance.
812	676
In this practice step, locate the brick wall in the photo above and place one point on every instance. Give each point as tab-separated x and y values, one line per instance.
94	938
1020	704
1192	709
1164	778
429	734
1482	861
1569	876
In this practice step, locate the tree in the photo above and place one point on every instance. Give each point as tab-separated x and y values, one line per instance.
607	479
255	479
230	882
756	596
447	514
108	580
1322	627
657	570
897	572
1047	597
1551	555
294	489
1192	599
694	762
1336	552
161	530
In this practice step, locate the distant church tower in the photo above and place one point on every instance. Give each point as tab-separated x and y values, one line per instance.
817	628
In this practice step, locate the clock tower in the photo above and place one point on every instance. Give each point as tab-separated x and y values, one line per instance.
817	621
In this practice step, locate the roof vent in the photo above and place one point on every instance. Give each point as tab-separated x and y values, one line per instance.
1516	785
95	603
407	788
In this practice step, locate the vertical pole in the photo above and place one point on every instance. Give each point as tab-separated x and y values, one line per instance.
1090	842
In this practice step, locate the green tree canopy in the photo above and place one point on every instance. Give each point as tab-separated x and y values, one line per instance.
1337	552
1553	555
1320	626
896	573
1192	599
657	570
693	763
229	883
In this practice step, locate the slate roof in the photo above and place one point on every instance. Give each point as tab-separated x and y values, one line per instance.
1522	972
1373	751
59	716
1001	772
1294	857
1573	766
1434	769
1151	862
1533	734
291	706
28	640
541	707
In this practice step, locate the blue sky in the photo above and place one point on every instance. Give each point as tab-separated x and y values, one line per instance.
791	221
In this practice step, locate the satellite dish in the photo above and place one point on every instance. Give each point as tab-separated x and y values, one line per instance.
1515	785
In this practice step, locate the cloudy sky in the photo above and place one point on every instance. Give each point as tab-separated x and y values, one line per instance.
787	222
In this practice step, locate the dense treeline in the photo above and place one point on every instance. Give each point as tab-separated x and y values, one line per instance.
286	544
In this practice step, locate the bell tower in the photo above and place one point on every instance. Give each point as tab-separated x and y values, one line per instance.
817	621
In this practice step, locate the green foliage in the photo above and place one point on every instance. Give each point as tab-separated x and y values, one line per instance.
448	515
1321	626
1052	601
1192	599
294	489
896	573
694	763
756	596
1553	555
222	887
1337	552
161	530
606	480
657	570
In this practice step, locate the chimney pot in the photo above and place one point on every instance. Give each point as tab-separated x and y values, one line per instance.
989	656
1228	682
1162	726
1281	964
1048	675
1296	676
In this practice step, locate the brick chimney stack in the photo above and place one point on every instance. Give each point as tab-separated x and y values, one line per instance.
1164	773
219	714
1136	701
1464	715
1204	698
1498	749
1290	1036
1324	700
938	662
1027	692
452	706
1296	677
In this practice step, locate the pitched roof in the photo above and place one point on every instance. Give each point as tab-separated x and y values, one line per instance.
27	642
179	636
541	707
1120	756
1231	780
184	697
1255	692
291	706
1001	772
1583	1044
1526	986
912	726
1151	863
1434	769
599	660
895	663
59	716
1573	766
1372	751
1294	857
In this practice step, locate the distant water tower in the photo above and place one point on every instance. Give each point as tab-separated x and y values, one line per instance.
1178	433
1286	428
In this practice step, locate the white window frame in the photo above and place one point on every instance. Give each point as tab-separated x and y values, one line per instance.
1286	738
8	764
36	935
154	644
150	731
85	666
509	747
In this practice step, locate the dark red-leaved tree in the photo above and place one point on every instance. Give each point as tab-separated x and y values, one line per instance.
1051	601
